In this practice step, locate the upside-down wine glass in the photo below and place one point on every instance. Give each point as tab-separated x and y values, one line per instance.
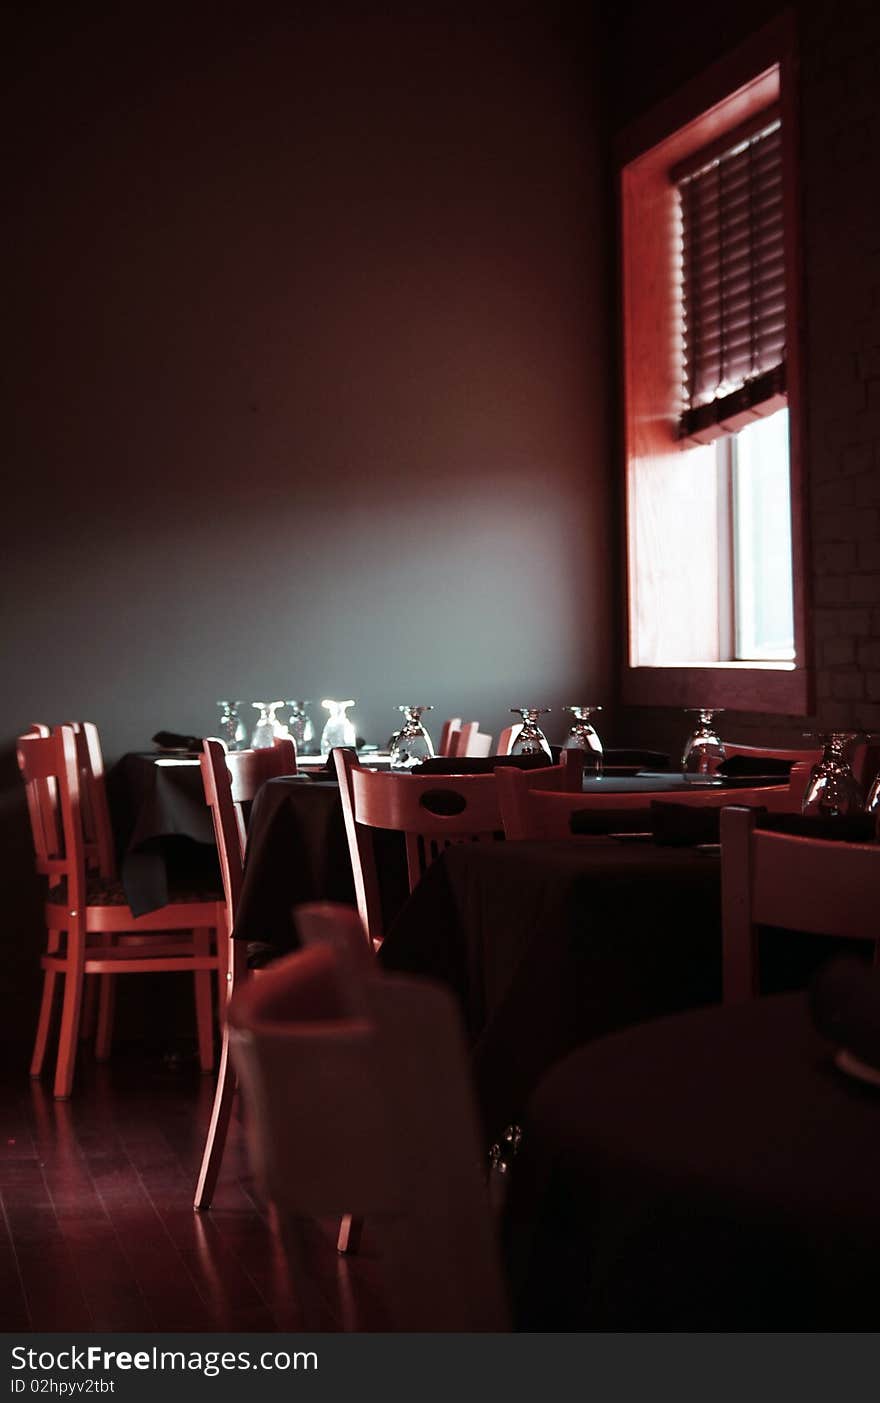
872	803
268	726
300	727
530	739
338	729
583	736
703	751
833	790
232	728
411	744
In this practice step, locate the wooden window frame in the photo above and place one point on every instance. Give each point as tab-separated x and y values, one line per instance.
760	72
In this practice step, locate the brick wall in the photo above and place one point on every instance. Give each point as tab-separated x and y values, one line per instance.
840	177
840	123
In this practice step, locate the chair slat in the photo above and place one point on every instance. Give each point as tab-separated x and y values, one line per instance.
790	882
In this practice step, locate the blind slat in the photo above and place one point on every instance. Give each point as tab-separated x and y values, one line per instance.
733	275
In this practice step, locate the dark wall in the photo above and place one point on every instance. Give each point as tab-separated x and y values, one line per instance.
840	175
307	375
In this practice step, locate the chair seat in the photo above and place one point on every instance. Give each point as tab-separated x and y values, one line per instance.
101	892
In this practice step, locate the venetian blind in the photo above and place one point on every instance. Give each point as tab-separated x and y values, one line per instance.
733	277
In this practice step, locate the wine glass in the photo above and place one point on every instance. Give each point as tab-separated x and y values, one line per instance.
232	728
530	739
583	736
268	726
411	744
833	790
300	727
338	729
703	751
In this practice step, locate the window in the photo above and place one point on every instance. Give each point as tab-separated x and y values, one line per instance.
715	609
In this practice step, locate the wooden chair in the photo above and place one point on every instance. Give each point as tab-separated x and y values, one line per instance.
100	855
231	780
91	929
793	883
448	732
530	812
339	927
471	741
358	1099
506	739
432	811
514	787
807	756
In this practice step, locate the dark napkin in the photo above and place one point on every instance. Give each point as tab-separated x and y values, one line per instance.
684	825
845	1007
854	828
681	825
170	740
753	765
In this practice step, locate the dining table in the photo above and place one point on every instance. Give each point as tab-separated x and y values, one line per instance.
712	1171
551	944
297	848
162	827
297	852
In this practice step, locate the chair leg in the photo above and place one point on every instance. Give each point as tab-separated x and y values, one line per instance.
350	1229
89	1019
70	1013
204	1009
215	1141
44	1022
104	1038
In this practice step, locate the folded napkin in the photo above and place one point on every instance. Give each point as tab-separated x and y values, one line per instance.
753	765
854	828
684	825
170	740
845	1007
681	825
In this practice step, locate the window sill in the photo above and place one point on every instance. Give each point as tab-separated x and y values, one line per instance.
782	688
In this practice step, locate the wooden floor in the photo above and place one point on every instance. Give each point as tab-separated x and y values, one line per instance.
98	1232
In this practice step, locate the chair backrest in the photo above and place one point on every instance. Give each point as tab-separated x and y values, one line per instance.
366	1108
515	787
231	780
506	739
332	923
532	813
448	733
43	810
50	769
807	756
97	829
470	741
793	883
432	811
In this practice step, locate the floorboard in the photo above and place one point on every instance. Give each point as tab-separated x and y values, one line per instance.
97	1228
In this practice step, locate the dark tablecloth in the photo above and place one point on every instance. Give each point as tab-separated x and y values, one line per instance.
550	944
712	1171
297	851
163	829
